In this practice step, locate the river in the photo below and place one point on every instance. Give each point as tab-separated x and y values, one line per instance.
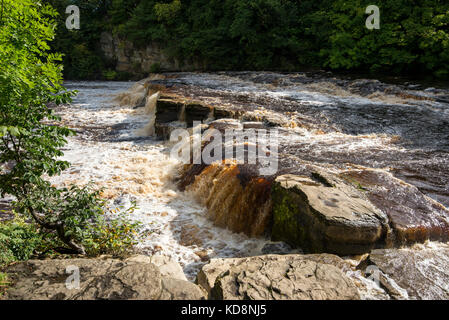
331	122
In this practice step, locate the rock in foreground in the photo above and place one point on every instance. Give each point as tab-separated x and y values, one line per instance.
414	273
104	279
278	277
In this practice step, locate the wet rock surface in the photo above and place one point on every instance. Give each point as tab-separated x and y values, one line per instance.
412	216
338	121
274	277
315	208
110	279
418	273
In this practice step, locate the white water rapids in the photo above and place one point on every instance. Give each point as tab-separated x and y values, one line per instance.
109	151
113	150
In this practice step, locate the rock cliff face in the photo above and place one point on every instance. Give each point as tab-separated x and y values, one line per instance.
140	61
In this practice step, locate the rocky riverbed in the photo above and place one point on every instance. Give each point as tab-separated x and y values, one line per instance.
362	173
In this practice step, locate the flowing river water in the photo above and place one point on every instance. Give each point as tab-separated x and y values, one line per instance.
328	121
110	151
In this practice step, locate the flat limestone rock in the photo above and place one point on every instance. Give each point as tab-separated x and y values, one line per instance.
277	277
318	215
167	265
175	289
110	279
421	271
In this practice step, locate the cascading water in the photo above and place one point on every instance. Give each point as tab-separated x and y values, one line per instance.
325	124
112	150
150	111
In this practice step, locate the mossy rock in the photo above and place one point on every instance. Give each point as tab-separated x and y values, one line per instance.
332	217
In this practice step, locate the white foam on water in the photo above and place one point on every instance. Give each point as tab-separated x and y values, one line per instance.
319	93
141	170
113	151
150	110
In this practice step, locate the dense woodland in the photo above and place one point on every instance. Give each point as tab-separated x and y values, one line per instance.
266	34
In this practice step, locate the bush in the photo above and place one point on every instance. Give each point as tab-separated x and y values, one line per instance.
18	241
79	218
110	75
109	233
31	142
113	234
155	68
83	63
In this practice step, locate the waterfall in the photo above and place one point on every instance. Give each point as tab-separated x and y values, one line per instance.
240	207
182	114
150	110
134	97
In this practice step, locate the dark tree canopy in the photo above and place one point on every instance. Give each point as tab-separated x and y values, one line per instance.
268	34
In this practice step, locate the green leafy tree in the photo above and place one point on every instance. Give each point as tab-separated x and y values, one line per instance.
82	57
31	136
268	34
411	38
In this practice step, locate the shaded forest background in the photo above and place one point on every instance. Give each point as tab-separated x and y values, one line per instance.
283	35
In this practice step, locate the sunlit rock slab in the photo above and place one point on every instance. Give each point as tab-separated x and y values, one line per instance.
421	272
105	279
325	217
276	277
413	216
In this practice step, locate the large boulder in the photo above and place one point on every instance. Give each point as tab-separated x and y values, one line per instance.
278	277
110	279
323	215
